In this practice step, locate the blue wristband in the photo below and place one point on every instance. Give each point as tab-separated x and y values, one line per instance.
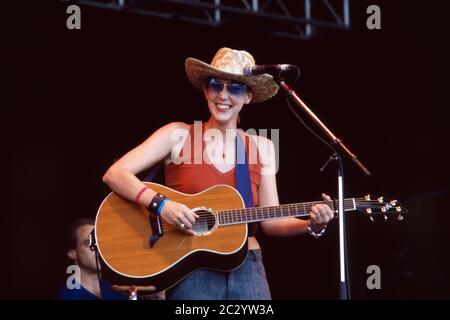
161	205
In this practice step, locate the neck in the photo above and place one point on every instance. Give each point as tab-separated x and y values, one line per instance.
222	126
89	281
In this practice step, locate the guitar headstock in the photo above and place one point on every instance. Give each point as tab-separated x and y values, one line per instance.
380	206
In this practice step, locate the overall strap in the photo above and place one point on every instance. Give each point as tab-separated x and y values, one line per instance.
243	184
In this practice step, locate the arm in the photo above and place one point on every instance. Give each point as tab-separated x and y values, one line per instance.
121	176
268	196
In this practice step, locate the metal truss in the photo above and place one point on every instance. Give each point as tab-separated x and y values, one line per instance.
296	19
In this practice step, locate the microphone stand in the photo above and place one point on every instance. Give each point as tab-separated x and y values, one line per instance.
344	290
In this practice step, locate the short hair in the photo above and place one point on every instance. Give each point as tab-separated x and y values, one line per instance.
74	228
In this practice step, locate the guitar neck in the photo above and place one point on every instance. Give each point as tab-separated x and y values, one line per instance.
256	214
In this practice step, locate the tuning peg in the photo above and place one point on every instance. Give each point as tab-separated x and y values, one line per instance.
398	208
385	217
380	199
399	217
369	211
367	197
393	203
383	209
371	218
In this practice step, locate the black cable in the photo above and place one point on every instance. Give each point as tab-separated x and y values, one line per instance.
99	277
297	69
308	127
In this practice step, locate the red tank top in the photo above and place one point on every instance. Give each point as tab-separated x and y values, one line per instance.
195	174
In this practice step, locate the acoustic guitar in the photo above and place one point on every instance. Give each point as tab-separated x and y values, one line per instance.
138	248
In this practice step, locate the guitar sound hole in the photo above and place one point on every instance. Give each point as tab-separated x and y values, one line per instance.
205	223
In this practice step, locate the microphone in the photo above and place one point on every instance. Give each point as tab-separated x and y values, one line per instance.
272	69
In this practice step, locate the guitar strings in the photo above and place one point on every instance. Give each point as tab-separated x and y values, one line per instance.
237	215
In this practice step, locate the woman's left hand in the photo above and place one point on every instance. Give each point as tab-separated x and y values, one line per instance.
320	215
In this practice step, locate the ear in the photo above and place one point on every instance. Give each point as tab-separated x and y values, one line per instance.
72	254
248	97
205	92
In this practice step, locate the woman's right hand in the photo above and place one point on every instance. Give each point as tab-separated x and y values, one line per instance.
179	215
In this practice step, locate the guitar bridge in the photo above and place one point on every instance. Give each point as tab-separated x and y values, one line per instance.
157	230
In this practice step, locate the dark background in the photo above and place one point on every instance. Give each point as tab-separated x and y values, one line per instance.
74	101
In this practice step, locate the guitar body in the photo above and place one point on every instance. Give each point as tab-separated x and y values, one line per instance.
123	230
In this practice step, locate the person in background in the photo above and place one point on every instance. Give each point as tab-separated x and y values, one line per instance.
81	255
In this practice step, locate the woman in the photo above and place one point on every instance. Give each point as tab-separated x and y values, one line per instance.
226	90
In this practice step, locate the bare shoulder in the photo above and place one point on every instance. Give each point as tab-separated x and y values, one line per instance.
173	126
167	132
166	136
171	138
266	153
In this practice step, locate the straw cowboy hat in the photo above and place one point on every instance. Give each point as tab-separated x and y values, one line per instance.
229	64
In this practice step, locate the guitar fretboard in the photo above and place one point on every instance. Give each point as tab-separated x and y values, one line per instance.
246	215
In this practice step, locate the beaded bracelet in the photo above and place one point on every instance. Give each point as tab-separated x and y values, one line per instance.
314	234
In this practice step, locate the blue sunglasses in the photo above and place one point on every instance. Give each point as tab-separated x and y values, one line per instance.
235	89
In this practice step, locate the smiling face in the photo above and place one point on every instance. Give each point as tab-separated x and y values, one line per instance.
226	99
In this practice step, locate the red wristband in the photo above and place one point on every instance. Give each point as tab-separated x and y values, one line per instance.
139	194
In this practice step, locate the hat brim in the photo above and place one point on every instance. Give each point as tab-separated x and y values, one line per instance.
263	86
